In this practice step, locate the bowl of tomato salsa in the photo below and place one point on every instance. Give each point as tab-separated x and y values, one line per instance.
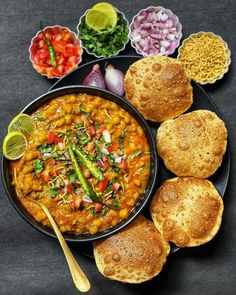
67	52
114	149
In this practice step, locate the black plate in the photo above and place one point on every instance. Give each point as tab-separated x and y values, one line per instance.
201	101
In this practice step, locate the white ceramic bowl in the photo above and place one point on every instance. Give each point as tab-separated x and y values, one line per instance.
93	53
226	47
56	27
155	9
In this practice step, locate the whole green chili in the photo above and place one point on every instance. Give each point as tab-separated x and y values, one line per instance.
51	50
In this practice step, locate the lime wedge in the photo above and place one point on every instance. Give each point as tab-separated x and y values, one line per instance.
109	10
14	145
96	20
23	123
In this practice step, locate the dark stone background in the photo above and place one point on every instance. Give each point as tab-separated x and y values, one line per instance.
31	263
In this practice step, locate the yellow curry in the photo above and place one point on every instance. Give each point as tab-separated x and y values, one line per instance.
88	162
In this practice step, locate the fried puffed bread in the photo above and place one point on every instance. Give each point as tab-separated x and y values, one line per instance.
187	211
193	144
134	254
158	87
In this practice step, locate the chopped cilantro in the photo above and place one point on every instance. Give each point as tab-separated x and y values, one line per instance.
39	116
53	192
116	202
106	42
45	148
100	213
72	175
38	166
83	109
122	136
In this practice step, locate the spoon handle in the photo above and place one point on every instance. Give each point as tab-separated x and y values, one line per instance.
81	281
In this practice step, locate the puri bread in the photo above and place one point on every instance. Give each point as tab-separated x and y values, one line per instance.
134	254
187	211
158	87
193	144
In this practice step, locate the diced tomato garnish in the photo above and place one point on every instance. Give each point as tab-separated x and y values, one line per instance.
106	164
60	60
102	185
113	147
123	165
91	130
76	202
51	137
59	46
56	72
98	207
57	37
41	43
69	188
58	139
116	186
70	50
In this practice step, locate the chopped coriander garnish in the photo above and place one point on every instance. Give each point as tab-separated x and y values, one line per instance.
105	42
38	166
83	109
72	175
53	192
45	148
115	202
122	136
39	116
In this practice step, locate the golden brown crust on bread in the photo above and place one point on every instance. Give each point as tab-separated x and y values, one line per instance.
134	254
187	211
158	87
193	144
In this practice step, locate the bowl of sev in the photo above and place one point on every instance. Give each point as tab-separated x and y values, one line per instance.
206	57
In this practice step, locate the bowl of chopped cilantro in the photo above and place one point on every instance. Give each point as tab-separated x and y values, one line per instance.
103	33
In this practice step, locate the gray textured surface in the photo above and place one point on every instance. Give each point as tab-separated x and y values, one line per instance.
31	263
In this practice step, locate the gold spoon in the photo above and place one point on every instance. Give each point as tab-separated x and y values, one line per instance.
81	281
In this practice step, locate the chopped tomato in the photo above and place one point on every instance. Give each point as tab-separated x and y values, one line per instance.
116	186
59	46
76	202
58	139
113	147
102	185
106	165
91	130
56	72
69	188
51	137
98	207
123	165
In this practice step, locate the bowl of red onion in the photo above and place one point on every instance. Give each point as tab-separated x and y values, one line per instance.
155	31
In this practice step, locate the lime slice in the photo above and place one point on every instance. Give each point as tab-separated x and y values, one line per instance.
108	10
23	123
96	20
14	145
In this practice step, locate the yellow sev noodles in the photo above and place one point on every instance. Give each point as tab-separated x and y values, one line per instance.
205	56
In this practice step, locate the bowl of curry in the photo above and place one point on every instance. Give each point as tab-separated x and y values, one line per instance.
92	161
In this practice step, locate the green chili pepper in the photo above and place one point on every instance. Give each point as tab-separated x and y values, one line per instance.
89	164
86	186
51	50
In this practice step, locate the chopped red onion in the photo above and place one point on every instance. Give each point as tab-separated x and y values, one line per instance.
95	78
100	163
106	135
104	151
154	30
87	199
